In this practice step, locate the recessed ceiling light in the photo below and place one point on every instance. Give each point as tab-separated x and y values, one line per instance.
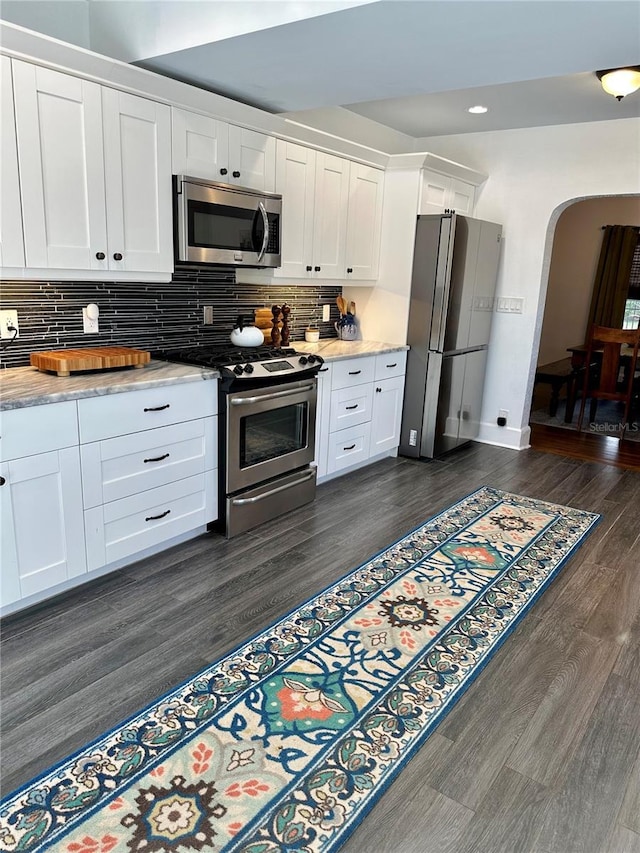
477	109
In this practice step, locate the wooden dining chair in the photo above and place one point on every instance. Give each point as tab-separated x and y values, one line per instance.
614	377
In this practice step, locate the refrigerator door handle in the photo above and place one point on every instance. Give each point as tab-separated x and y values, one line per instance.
443	283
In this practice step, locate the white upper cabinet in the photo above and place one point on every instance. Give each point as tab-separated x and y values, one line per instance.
296	181
330	217
331	214
364	222
95	175
137	169
60	152
11	241
204	147
445	192
252	159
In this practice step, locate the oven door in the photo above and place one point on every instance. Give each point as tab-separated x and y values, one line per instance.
227	225
270	432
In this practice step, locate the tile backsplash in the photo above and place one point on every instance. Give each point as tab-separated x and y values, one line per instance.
152	316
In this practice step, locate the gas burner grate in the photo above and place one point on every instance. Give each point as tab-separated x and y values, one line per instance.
223	356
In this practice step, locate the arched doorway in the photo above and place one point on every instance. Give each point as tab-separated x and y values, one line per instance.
576	243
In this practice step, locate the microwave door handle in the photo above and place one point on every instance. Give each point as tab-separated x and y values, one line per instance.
265	241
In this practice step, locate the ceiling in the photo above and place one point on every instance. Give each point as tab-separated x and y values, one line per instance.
412	66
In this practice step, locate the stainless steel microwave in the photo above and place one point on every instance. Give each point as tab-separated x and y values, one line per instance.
224	224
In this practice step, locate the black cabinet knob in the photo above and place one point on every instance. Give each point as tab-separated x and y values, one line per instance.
349	269
2	481
117	256
236	174
317	269
309	269
223	171
100	256
378	390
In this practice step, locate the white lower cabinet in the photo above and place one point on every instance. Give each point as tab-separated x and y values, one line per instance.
123	473
42	535
119	529
151	474
386	415
359	420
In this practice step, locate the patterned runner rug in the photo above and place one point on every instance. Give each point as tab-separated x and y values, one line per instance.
286	743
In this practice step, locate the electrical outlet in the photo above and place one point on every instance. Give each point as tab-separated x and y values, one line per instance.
90	321
326	313
207	315
8	318
413	437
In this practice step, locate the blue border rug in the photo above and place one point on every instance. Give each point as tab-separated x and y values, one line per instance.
287	742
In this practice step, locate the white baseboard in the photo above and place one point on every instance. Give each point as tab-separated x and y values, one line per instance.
511	437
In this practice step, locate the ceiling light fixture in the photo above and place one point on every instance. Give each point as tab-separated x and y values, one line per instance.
477	109
620	81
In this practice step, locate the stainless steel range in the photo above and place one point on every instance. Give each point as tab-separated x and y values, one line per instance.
267	421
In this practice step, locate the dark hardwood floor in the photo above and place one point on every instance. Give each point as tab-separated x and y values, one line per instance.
541	755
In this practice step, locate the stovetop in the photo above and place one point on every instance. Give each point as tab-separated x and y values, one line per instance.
256	364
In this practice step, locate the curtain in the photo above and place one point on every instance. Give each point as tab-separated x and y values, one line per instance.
611	285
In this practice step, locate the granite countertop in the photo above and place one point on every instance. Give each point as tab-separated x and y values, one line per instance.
26	386
331	349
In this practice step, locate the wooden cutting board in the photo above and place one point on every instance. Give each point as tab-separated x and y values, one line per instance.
64	362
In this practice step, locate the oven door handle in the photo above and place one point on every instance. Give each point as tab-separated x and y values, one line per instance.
271	492
265	240
246	401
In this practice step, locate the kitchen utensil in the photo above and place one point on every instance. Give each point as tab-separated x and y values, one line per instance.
342	305
246	335
352	308
64	362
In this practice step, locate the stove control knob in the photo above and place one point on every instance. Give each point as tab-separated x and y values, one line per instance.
248	368
303	359
312	359
238	369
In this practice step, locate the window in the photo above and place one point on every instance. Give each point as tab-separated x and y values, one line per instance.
631	318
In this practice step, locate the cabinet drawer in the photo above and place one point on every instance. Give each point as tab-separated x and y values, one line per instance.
122	528
350	406
133	411
348	447
390	364
117	467
352	371
38	429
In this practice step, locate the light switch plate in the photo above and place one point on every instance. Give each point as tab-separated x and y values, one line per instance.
326	313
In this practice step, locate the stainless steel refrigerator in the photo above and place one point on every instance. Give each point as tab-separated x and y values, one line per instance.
453	284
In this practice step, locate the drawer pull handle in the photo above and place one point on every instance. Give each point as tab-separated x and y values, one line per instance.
158	458
354	372
348	408
2	481
351	446
158	408
156	517
323	370
395	364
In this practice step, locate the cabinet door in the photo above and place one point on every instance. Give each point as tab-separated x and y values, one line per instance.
462	196
137	142
60	155
323	415
41	493
387	415
295	180
436	192
252	159
11	241
330	217
199	146
364	222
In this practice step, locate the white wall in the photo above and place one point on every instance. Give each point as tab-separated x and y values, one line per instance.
534	173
